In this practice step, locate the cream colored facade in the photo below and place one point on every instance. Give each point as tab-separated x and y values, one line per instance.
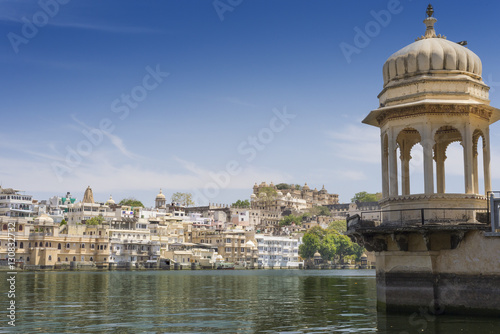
39	244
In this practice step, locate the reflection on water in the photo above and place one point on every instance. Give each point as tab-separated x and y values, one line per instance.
257	301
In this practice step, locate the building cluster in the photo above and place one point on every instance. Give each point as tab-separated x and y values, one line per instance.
63	231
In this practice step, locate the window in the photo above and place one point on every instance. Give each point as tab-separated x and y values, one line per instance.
68	246
74	258
58	259
50	257
59	246
242	249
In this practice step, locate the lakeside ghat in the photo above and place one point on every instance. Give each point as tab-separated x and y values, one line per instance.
302	229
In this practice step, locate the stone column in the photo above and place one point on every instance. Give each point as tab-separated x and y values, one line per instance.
467	145
405	171
427	144
393	166
475	176
440	157
486	160
385	168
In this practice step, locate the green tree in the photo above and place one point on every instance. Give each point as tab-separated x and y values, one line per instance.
344	246
241	204
130	201
98	220
288	220
185	199
338	225
310	244
63	222
320	211
357	251
330	243
363	196
328	247
283	186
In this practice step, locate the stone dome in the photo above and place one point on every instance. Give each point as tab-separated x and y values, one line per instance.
279	193
431	54
253	196
160	195
110	200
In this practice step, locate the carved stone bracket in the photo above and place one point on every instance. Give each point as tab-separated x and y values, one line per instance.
401	240
456	238
373	244
427	240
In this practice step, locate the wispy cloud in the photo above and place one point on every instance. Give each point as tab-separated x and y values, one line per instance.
114	139
356	143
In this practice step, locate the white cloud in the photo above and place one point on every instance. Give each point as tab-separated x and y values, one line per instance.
356	143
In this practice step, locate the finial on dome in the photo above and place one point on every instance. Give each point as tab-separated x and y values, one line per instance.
430	10
429	22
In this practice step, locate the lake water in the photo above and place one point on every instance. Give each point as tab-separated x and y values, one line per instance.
236	301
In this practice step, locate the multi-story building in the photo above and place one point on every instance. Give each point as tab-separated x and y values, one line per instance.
40	245
14	204
278	252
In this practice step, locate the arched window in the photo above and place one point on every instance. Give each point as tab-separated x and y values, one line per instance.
21	245
28	259
91	258
66	260
36	244
46	244
20	227
59	246
58	259
50	257
74	258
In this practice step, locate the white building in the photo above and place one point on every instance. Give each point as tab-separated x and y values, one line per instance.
14	204
278	252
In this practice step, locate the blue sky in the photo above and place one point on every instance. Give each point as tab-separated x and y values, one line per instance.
181	88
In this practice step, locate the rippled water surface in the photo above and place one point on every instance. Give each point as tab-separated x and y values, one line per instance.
247	301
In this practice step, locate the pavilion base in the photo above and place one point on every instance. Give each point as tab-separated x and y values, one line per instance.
438	269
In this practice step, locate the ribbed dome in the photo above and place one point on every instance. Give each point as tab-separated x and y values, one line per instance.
431	54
